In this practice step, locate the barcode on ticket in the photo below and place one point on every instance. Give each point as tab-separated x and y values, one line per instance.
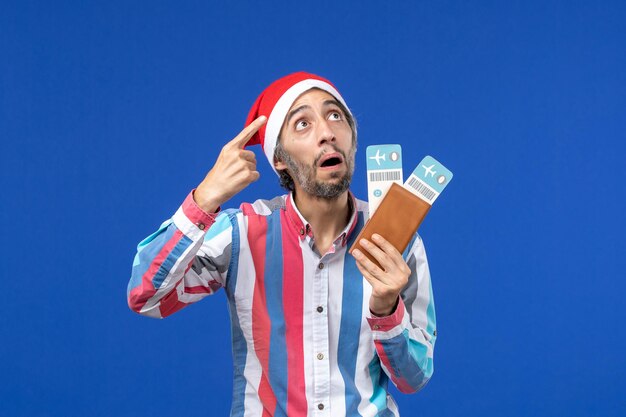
385	176
422	189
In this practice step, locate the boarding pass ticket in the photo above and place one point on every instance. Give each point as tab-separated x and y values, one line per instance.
384	167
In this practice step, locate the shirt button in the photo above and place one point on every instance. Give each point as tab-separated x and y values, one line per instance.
320	356
321	265
301	232
320	406
201	226
320	309
376	327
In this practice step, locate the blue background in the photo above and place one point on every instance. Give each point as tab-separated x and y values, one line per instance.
110	112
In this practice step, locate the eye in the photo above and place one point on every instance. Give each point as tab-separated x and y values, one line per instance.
301	124
335	115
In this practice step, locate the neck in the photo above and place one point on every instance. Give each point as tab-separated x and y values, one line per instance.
326	217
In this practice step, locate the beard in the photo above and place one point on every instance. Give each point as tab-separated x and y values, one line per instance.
305	175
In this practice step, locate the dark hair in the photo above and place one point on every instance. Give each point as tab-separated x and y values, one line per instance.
280	154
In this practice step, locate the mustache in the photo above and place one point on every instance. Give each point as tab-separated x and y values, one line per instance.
335	149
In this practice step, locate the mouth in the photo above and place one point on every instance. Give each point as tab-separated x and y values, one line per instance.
330	161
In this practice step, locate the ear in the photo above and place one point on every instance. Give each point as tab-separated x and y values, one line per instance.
279	165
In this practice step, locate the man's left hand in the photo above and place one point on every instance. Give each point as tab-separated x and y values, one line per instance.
386	282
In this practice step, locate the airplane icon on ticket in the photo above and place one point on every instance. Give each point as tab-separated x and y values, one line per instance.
429	170
378	157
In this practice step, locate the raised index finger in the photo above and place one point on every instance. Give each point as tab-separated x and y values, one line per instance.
244	136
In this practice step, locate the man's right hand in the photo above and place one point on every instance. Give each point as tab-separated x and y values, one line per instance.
233	171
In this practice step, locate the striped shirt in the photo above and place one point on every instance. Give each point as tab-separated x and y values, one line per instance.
304	340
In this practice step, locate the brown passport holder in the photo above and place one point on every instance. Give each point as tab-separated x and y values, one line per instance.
397	218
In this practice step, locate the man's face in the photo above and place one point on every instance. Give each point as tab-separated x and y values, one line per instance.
318	145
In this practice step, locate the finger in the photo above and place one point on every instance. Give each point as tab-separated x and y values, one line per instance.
377	285
369	266
248	156
389	249
368	277
246	134
250	166
377	253
242	169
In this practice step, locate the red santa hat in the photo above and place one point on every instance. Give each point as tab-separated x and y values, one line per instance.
275	102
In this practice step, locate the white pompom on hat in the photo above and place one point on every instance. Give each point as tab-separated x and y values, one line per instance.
276	100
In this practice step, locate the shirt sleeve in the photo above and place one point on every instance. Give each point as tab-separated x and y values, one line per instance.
185	260
405	340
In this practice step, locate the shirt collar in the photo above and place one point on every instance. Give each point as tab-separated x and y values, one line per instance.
303	228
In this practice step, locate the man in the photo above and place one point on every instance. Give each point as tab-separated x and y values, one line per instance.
315	330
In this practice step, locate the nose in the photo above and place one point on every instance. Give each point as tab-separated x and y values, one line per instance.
325	132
